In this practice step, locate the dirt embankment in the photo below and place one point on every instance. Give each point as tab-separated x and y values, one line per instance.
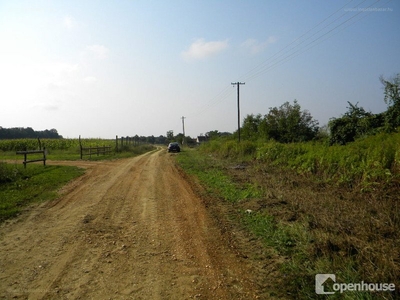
127	229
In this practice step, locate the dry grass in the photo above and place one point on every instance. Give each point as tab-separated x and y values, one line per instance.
354	235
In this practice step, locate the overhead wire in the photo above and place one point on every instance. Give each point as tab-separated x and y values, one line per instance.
223	94
293	42
290	54
283	56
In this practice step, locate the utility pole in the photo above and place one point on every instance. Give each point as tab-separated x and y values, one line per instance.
238	104
183	125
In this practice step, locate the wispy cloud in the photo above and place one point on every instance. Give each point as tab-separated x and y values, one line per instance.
201	49
90	79
98	51
61	68
69	22
255	46
49	106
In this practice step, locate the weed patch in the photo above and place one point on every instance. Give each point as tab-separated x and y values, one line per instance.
20	187
320	226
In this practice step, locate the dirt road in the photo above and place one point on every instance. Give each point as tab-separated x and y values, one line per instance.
127	229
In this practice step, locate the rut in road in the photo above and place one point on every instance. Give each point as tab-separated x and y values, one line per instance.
127	229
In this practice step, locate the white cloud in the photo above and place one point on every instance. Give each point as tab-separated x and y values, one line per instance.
90	79
49	106
201	49
69	22
99	51
60	68
255	46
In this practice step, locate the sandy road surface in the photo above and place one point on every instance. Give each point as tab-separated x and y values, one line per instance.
127	229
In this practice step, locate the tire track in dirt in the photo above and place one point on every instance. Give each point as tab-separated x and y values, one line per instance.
127	229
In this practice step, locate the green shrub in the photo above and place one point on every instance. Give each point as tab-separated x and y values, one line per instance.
369	162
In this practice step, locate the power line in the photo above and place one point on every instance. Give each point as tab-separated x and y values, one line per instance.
285	55
292	55
294	41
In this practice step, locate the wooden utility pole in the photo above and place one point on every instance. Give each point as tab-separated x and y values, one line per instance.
183	126
238	104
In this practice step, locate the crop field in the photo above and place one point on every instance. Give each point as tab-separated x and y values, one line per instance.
53	144
64	149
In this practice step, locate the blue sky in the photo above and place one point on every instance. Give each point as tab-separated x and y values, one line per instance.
106	68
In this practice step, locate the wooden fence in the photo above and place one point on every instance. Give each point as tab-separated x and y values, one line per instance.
125	141
26	152
93	150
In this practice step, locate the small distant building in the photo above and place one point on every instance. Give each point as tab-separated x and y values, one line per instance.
201	139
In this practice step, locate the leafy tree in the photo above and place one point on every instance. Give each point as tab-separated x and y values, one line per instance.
161	140
356	122
289	123
151	139
251	126
392	99
353	124
213	134
179	138
170	135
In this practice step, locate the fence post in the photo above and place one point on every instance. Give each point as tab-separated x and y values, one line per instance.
116	143
44	156
80	145
25	159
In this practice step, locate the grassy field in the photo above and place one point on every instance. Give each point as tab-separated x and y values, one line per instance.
20	187
367	164
67	149
328	210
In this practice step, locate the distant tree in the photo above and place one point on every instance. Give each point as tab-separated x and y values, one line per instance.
323	133
289	123
251	128
151	139
350	126
170	135
161	140
356	122
392	99
213	134
179	138
20	133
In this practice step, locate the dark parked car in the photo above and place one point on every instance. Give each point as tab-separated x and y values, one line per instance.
174	147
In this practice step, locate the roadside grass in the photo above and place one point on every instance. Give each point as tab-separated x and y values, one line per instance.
319	226
214	178
20	187
368	164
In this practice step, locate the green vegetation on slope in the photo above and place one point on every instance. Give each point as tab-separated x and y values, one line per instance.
367	164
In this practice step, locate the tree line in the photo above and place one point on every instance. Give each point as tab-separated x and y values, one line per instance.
27	133
290	123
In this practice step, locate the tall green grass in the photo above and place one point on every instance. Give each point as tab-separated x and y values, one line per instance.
19	186
368	163
356	243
